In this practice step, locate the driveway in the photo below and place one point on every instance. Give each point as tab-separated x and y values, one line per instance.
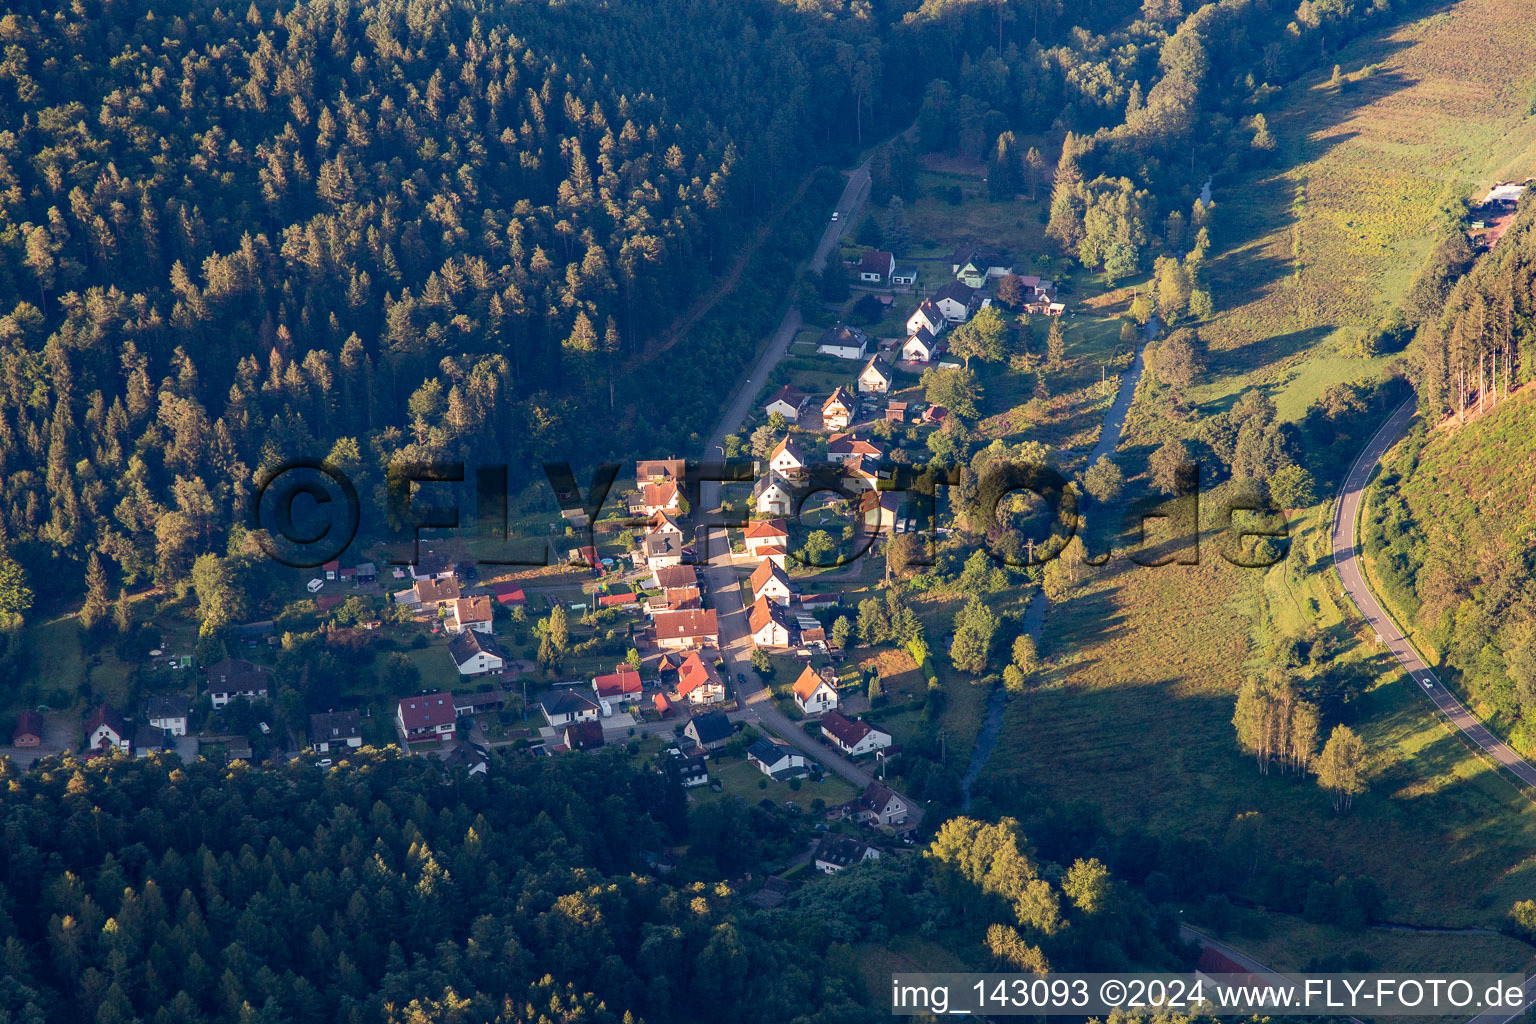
1346	560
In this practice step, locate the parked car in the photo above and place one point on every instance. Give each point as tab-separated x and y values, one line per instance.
324	762
314	585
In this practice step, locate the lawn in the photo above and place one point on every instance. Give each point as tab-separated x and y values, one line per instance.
739	777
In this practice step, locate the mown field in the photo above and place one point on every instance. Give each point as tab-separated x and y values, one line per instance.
1135	711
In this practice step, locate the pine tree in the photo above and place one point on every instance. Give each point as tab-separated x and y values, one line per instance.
98	604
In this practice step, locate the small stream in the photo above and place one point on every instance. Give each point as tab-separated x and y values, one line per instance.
1034	615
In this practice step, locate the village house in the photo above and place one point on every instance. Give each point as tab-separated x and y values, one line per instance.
880	511
769	624
469	758
878	805
661	522
621	685
766	537
648	471
151	739
167	711
660	550
834	853
787	402
427	716
956	301
431	566
876	377
854	737
876	266
236	677
693	771
477	654
673	576
847	447
770	582
814	693
772	495
28	731
583	736
860	475
105	731
709	731
974	268
335	730
430	593
681	630
843	342
698	682
472	612
927	315
921	347
839	410
481	702
776	759
674	599
662	496
563	706
788	459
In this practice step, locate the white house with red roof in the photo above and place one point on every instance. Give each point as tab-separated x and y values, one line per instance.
622	684
427	717
787	402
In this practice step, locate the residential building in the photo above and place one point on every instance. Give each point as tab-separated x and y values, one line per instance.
847	447
653	470
787	402
788	458
772	495
764	534
661	522
880	806
854	737
880	511
876	267
956	301
694	771
435	590
151	739
662	496
698	682
876	377
431	566
236	677
105	731
481	702
167	711
860	475
771	583
473	612
680	630
769	624
661	550
29	730
776	759
470	758
563	706
336	731
622	684
974	268
923	347
670	577
427	717
839	410
477	654
711	730
814	692
929	316
583	736
835	853
843	342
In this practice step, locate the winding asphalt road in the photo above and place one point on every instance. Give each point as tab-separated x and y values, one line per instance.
1346	559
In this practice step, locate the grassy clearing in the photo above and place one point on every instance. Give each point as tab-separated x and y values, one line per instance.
1316	253
1134	712
1291	944
739	777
